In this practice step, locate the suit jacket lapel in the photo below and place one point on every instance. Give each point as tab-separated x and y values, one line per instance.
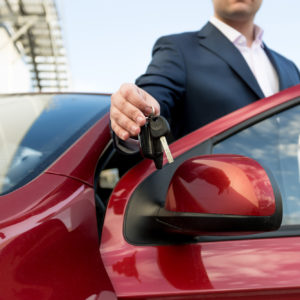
211	38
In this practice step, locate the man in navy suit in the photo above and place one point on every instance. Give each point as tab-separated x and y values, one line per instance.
197	77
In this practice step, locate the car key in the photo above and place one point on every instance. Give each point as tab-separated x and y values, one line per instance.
146	142
159	128
150	148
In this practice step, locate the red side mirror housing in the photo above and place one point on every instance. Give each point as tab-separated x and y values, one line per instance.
222	195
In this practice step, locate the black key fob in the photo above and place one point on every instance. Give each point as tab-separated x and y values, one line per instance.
145	139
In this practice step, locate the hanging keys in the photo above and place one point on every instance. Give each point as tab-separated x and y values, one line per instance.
146	142
149	147
145	139
152	139
159	128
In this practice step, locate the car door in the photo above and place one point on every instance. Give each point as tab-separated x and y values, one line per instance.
153	265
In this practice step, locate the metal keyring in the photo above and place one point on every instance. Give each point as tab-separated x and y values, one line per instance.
153	110
151	114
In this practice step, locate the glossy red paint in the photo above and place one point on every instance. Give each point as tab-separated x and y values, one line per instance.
243	269
48	244
221	184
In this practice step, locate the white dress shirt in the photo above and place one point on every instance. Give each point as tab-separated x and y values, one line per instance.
255	56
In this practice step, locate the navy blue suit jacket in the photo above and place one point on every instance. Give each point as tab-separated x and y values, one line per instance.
200	76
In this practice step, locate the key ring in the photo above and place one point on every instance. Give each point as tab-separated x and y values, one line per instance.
153	110
151	114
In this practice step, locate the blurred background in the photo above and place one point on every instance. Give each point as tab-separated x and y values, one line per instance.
96	45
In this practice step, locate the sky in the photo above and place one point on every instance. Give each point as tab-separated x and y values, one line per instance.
110	42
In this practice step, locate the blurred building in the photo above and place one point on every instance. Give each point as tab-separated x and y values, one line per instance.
32	54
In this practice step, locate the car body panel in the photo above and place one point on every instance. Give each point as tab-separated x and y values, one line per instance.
49	246
245	267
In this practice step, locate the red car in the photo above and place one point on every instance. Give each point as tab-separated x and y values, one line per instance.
79	220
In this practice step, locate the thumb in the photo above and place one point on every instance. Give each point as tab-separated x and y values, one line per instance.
151	104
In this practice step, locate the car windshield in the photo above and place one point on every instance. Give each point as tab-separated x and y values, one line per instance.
36	129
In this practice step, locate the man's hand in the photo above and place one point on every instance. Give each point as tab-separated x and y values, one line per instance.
129	106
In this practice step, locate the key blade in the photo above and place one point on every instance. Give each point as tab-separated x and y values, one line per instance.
166	149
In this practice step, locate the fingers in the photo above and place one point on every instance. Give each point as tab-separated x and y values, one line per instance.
122	125
150	102
119	131
129	106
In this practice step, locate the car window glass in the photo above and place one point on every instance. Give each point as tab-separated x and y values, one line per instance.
275	143
36	129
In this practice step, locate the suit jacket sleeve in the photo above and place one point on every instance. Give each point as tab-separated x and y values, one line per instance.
165	76
297	71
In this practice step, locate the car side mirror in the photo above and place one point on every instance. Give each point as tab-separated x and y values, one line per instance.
221	195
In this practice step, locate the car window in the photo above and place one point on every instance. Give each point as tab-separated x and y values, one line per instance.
36	129
275	144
